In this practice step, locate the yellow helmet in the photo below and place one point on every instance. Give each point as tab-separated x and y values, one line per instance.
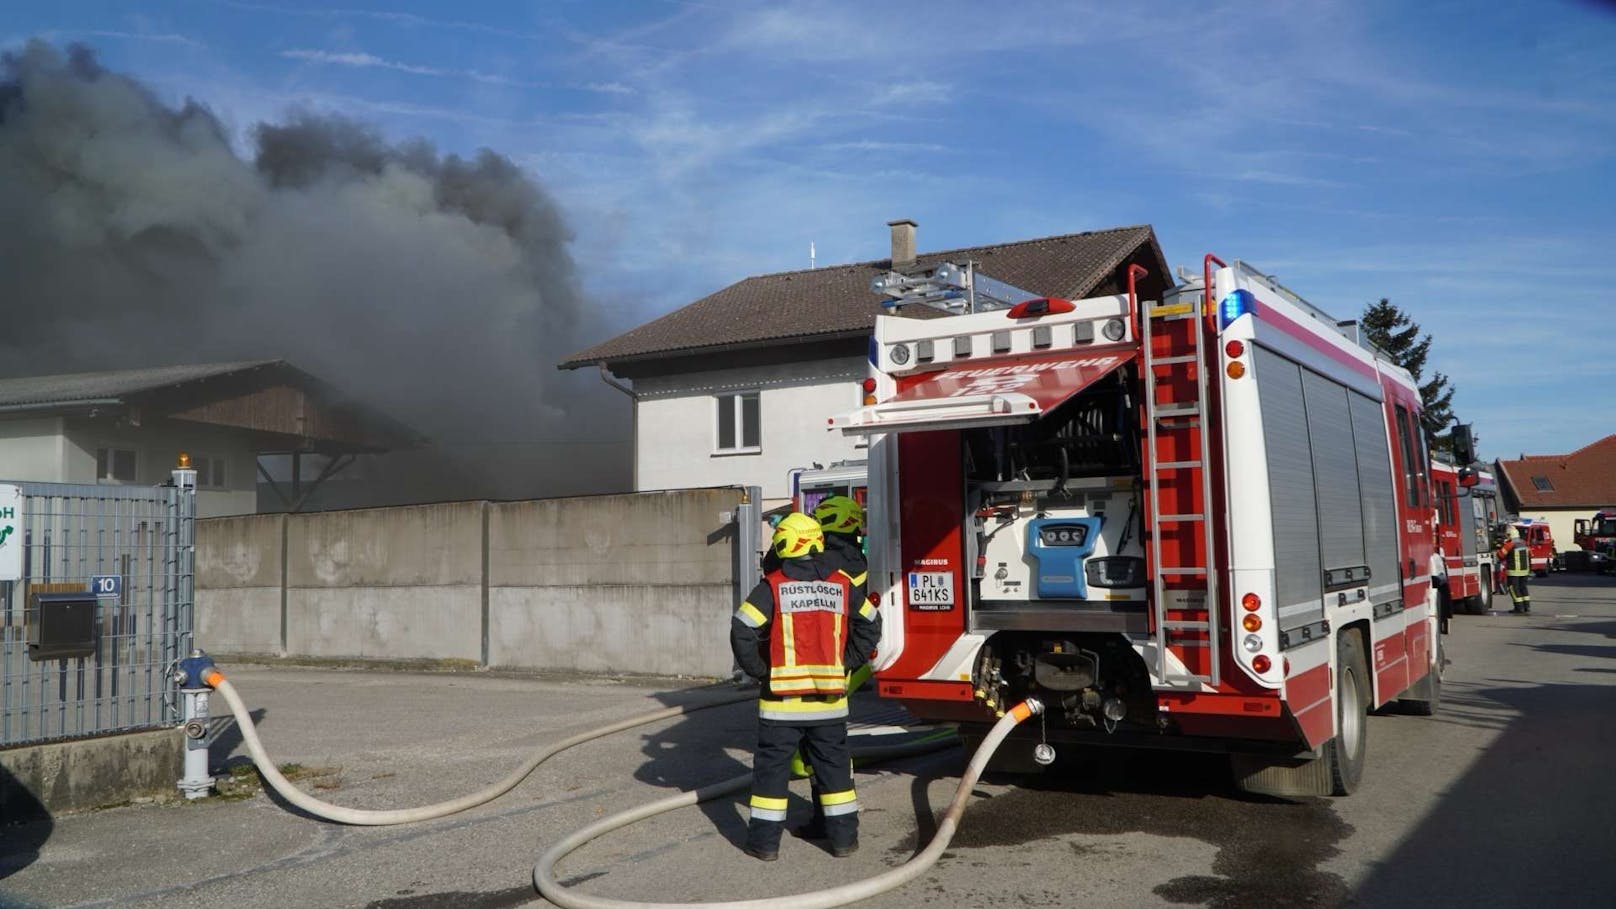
839	514
1514	532
796	536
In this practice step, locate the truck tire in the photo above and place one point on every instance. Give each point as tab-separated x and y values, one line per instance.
1481	603
1339	768
1344	755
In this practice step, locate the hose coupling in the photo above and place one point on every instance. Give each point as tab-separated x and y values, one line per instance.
196	671
1027	709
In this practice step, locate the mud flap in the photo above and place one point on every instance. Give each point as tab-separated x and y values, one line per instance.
1288	778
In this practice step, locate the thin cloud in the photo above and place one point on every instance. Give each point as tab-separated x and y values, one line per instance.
876	146
58	34
403	20
362	60
606	88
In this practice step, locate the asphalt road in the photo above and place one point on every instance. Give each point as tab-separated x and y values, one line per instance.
1503	799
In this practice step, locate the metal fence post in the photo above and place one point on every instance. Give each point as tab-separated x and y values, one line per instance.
748	543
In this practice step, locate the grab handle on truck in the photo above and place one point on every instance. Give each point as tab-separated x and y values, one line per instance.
1207	309
1135	272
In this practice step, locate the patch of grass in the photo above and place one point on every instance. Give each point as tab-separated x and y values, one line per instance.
241	781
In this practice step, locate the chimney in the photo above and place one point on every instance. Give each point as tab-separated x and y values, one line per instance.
903	242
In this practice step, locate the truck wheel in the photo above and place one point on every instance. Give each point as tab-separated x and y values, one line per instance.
1345	753
1482	603
1425	696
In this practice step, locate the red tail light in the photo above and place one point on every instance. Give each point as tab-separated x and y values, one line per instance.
1251	602
1261	662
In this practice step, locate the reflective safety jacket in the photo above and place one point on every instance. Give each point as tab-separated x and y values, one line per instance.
1518	561
800	632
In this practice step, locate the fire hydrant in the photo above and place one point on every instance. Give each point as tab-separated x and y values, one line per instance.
197	782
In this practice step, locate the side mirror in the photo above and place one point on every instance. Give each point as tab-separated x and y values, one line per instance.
1468	477
1464	444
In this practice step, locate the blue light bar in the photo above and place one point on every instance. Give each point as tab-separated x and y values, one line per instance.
1235	305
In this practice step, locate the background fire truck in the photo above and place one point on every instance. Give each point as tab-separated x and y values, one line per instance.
1203	523
1540	539
1465	516
1597	537
810	486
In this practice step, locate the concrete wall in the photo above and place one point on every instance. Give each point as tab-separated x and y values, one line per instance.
630	583
677	425
89	773
240	570
640	583
386	583
31	450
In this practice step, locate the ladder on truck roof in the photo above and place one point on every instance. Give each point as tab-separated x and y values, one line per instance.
1184	608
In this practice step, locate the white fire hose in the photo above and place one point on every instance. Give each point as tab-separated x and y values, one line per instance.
544	872
385	817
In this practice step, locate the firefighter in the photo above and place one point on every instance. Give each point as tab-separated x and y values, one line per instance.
1439	583
1517	558
842	521
799	632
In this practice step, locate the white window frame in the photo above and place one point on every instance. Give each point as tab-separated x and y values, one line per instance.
104	455
736	401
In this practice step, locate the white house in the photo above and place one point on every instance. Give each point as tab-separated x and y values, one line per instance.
130	426
737	387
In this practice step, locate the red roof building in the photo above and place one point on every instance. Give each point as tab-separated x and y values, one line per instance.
1560	488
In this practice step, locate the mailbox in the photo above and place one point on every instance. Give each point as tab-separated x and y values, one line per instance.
61	625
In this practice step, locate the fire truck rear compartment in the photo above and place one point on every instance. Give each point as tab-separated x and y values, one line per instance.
1053	534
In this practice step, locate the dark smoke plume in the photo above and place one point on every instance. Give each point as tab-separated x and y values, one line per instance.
435	288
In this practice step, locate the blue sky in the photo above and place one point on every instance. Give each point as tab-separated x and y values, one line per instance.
1459	158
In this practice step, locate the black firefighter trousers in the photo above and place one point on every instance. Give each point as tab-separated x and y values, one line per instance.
825	747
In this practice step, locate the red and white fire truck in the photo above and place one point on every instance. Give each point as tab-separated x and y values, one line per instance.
811	485
1597	537
1539	538
1465	515
1201	522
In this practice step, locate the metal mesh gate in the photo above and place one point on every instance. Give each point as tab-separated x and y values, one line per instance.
74	535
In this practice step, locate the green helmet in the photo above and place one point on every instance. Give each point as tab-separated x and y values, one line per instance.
839	514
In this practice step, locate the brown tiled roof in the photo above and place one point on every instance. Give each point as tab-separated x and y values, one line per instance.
1585	478
836	301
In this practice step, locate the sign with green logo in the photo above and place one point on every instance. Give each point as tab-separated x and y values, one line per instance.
10	533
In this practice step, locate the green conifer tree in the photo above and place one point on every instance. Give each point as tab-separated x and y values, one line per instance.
1390	329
